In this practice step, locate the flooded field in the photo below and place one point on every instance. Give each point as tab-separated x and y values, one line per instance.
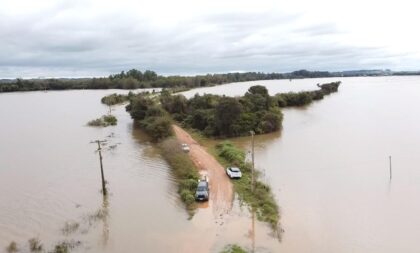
50	177
328	169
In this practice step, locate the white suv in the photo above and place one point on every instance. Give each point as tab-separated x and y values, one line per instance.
233	172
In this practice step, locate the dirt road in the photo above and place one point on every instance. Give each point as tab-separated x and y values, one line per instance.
221	189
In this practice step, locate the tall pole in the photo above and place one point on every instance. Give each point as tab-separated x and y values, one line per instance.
253	164
104	192
390	168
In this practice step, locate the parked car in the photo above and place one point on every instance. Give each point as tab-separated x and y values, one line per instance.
185	147
233	172
202	193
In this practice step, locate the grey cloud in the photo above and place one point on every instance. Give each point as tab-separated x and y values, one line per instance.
59	42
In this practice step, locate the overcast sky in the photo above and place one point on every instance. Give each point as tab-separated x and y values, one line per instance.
74	38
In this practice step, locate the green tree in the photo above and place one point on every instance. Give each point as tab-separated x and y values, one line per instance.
227	112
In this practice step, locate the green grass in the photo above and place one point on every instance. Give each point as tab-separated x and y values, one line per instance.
262	199
184	170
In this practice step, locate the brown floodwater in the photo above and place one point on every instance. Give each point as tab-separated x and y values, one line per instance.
50	177
328	169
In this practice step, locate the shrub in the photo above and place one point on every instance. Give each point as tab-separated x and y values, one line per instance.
110	120
230	153
12	247
233	249
114	99
157	127
35	245
104	121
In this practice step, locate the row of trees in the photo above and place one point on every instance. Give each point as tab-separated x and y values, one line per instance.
134	79
305	97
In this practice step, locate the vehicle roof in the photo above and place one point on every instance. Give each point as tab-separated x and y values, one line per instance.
202	183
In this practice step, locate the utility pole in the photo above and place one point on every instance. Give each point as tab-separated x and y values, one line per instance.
104	191
390	168
253	164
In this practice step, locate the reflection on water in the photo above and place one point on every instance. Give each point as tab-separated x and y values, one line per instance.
105	211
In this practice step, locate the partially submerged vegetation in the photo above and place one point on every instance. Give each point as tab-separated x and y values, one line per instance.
233	249
261	200
35	245
184	170
104	121
114	99
12	247
151	117
305	97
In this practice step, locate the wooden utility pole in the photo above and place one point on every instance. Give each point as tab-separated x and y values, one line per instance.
104	191
390	168
253	164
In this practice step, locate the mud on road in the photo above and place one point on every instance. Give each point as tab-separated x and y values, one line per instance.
221	188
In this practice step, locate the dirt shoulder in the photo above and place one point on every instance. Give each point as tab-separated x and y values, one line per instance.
221	188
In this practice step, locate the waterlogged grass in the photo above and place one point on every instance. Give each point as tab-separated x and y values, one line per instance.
233	249
262	199
104	121
184	170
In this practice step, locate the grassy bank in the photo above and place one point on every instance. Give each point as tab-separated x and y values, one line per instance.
184	170
262	199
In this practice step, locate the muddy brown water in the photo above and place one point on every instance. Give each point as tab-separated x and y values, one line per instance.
328	169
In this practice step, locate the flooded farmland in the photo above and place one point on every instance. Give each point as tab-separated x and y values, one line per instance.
328	169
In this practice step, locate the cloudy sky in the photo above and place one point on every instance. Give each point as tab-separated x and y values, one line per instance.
74	38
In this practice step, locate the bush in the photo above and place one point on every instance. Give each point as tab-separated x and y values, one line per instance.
35	245
104	121
110	120
12	248
157	127
115	98
230	153
233	249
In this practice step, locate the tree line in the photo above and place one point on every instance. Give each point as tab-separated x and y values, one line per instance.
134	79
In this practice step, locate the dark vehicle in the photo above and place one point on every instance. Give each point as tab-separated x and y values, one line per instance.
202	193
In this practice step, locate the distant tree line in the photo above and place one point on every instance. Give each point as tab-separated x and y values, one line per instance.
220	116
134	79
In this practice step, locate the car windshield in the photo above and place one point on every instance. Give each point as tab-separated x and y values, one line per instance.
234	169
201	189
